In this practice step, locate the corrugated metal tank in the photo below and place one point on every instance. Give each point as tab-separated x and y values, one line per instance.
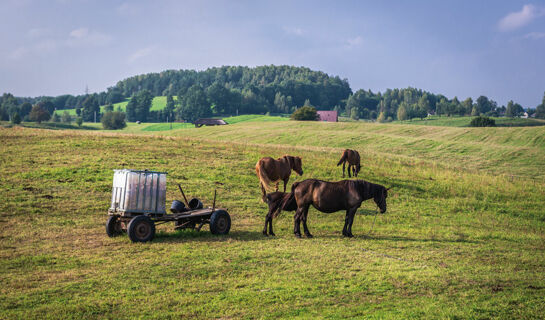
139	191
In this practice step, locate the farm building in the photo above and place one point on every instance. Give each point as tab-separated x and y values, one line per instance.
208	122
328	116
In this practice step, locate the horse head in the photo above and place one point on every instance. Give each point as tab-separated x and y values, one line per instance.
296	164
381	193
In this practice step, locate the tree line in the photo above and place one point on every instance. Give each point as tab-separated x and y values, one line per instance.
232	90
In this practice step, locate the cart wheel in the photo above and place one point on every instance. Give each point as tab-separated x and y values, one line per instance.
113	226
220	222
141	229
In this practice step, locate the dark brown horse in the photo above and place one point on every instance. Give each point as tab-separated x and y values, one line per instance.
270	170
278	202
353	159
334	196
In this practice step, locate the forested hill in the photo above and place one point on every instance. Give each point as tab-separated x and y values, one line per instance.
229	90
251	90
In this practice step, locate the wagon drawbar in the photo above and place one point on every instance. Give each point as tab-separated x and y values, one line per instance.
138	204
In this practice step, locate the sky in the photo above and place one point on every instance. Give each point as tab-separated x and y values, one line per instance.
456	48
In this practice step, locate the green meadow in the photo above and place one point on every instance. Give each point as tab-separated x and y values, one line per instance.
463	237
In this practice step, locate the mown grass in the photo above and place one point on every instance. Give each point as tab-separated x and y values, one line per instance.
158	103
456	121
456	242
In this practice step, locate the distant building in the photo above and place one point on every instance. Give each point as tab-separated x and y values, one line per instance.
208	122
329	116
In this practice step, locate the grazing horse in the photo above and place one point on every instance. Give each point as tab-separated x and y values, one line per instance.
334	196
353	159
270	170
278	202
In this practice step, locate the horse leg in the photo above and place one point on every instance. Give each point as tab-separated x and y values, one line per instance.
348	220
277	186
349	169
268	217
305	228
297	222
343	168
263	192
286	182
271	227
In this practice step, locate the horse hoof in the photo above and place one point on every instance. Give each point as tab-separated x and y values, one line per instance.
308	235
272	234
265	234
298	235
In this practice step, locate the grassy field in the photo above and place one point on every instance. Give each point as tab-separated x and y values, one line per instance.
464	121
464	235
158	103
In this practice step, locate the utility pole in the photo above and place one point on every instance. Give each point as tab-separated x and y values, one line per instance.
95	117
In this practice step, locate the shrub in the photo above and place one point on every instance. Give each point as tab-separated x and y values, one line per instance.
55	117
79	121
482	122
15	118
66	118
113	120
305	113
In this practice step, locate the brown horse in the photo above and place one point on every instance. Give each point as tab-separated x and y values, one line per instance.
353	159
270	170
334	196
278	202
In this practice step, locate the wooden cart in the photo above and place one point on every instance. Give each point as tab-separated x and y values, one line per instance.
138	204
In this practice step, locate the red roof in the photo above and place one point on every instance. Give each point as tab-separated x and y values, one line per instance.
329	116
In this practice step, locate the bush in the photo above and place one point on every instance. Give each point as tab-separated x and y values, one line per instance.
482	122
305	113
66	118
15	118
55	117
113	120
79	121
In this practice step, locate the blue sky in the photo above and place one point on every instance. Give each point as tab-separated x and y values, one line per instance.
457	48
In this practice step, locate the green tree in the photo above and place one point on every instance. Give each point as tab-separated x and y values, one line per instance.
467	105
90	109
113	120
139	106
38	114
194	104
109	108
79	121
513	109
305	113
402	112
474	111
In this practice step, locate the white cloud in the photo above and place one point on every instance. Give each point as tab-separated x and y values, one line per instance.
294	31
535	35
38	32
353	42
127	8
515	20
139	54
84	37
79	33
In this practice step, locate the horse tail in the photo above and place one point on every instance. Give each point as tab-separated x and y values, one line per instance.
263	181
287	199
343	158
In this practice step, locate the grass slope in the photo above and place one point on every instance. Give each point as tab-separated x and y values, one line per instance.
158	103
464	121
455	243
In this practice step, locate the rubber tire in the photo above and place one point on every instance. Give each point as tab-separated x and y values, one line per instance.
220	222
113	227
135	227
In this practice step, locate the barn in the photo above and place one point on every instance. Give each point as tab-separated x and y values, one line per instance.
328	116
